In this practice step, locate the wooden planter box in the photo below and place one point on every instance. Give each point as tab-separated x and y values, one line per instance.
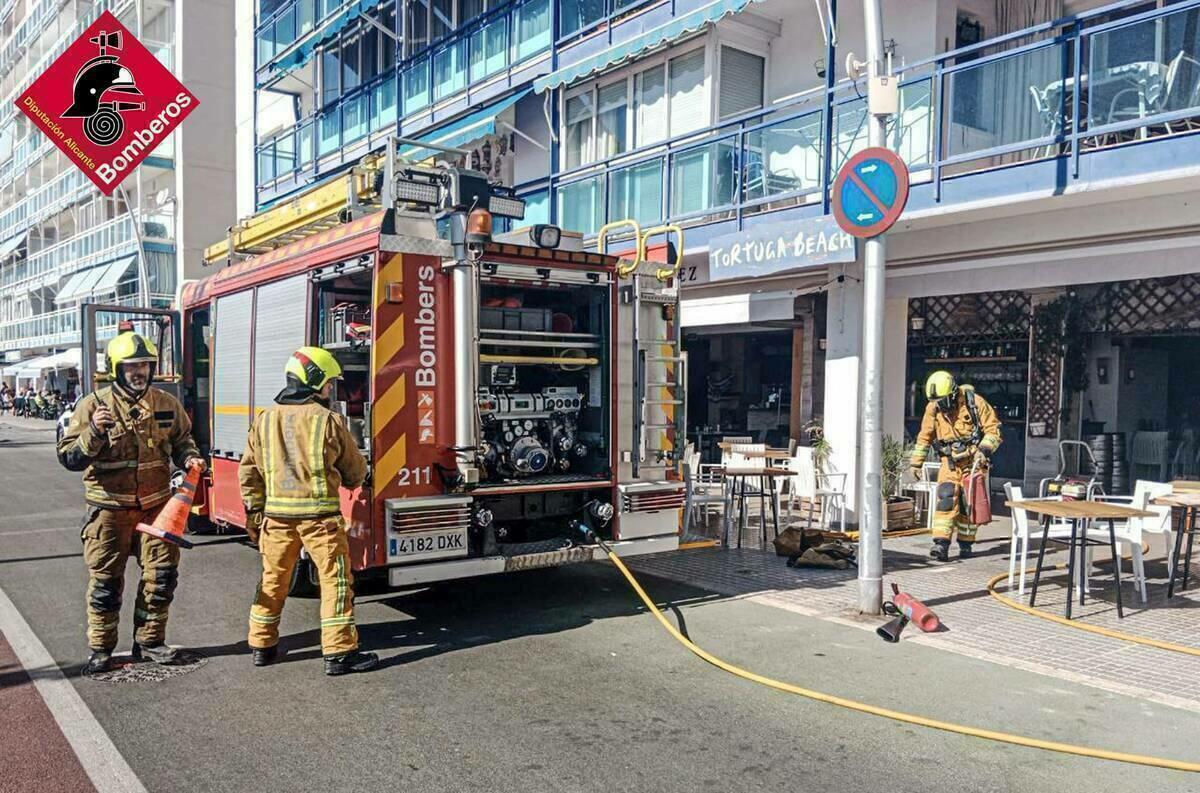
900	512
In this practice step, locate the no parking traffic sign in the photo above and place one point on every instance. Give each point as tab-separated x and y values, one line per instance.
870	192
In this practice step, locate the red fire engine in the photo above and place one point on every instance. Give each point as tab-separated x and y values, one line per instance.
511	392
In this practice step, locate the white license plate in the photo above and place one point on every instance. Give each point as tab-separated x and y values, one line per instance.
422	545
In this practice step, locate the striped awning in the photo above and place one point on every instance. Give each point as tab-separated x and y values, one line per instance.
303	51
619	53
470	127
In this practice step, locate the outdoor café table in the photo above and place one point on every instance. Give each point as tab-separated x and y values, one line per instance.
1078	513
1186	504
736	489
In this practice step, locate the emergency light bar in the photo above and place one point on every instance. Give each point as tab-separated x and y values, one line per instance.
506	206
427	193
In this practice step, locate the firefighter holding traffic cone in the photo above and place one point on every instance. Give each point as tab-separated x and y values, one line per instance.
299	454
124	438
961	428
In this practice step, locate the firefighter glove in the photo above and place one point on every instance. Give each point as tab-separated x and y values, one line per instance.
981	457
254	522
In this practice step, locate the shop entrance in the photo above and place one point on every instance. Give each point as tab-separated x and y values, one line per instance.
739	384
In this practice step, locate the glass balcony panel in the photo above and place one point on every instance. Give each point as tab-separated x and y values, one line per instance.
304	143
383	104
285	29
636	192
1144	69
910	132
1007	101
416	86
330	132
784	157
537	208
581	205
576	15
703	178
449	70
306	13
354	117
531	26
489	49
265	164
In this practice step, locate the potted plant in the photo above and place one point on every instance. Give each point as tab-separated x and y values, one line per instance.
821	452
899	512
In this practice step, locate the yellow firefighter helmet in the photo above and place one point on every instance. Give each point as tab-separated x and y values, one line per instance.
129	347
941	387
313	366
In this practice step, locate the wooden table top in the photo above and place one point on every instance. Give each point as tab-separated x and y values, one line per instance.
1097	510
1177	500
771	451
756	472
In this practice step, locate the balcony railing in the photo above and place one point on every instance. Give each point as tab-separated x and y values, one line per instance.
494	42
487	46
61	326
95	245
288	24
1076	85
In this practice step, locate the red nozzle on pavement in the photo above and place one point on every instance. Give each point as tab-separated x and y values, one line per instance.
916	611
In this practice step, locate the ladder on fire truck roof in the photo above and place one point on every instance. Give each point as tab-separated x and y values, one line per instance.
659	363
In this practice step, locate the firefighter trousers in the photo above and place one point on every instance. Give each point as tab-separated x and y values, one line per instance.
109	540
327	545
949	505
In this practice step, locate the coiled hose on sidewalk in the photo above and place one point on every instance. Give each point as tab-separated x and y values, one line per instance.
894	715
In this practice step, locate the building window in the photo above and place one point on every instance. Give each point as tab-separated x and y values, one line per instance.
741	82
688	108
611	121
578	139
576	15
651	92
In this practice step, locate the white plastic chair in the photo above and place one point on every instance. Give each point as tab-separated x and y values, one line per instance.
927	486
1019	545
806	483
704	489
1131	530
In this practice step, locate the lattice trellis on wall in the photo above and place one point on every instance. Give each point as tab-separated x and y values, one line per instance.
1149	305
980	316
1045	390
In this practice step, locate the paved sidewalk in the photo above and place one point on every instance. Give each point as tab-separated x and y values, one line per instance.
978	625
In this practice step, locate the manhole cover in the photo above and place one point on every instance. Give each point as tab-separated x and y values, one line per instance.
127	670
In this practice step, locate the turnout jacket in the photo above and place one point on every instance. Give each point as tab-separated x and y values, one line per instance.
297	456
128	467
972	422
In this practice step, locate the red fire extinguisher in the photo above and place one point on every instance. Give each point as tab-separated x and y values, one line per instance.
979	501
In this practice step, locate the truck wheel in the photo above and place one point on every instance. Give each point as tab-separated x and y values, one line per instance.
304	580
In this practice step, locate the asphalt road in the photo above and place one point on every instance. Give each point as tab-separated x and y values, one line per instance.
544	681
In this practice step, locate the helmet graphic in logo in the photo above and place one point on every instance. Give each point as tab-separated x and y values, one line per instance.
102	75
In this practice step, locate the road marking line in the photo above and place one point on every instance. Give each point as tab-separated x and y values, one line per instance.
100	759
4	533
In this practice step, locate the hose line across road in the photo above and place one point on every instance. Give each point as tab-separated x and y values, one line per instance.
894	715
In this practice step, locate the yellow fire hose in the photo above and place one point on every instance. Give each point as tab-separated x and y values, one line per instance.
908	718
1083	626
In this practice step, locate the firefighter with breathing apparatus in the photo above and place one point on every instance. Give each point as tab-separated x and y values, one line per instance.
962	429
298	455
124	438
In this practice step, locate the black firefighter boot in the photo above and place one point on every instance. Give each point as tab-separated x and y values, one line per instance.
350	662
264	656
965	550
162	653
99	661
940	550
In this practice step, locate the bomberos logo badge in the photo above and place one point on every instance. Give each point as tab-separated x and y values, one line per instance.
107	102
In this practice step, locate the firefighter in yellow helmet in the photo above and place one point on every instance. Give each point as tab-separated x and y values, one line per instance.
298	454
124	438
962	429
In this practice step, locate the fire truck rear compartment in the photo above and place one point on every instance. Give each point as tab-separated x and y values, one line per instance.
544	383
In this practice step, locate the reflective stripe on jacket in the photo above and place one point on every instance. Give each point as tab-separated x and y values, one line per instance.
128	467
940	427
297	458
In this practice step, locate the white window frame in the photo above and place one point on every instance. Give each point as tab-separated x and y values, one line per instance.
629	75
759	49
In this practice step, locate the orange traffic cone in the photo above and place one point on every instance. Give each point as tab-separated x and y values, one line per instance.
172	519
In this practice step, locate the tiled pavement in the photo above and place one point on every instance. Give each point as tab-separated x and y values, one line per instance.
978	625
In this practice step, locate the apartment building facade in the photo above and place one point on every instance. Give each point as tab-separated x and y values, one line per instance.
63	242
1051	146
